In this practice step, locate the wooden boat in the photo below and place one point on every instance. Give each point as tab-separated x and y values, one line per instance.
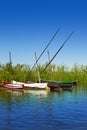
32	85
66	86
73	82
54	86
13	86
60	84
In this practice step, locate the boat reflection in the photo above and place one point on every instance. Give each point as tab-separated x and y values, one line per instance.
36	92
24	92
14	92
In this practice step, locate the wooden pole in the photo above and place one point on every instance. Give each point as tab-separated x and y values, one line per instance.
57	52
10	64
45	48
50	67
37	68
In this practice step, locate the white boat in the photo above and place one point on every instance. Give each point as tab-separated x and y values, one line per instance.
32	85
13	86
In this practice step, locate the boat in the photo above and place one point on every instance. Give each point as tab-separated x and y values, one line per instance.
60	84
32	85
13	86
73	82
54	86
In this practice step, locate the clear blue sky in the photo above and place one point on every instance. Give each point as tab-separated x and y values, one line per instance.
27	26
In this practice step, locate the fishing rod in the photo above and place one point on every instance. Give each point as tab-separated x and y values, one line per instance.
45	48
57	51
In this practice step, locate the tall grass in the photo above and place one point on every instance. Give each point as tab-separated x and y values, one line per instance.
53	72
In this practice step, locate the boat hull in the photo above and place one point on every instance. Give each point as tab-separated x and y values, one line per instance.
13	86
32	85
60	84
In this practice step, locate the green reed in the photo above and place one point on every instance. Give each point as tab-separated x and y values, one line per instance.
53	72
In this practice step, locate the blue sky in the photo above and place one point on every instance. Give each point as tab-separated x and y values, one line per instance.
27	26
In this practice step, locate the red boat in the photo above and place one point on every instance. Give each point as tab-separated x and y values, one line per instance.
13	86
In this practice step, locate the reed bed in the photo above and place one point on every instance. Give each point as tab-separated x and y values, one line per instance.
53	72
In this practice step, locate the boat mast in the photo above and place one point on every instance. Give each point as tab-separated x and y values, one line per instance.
10	58
37	68
45	48
10	64
50	67
57	51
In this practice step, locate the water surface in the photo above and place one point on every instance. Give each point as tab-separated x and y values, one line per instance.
40	109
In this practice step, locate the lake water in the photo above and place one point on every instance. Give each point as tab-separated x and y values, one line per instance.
43	110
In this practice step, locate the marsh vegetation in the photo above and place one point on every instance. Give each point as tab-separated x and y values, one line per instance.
23	72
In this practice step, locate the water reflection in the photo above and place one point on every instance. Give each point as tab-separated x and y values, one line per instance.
36	92
7	93
14	92
40	109
24	92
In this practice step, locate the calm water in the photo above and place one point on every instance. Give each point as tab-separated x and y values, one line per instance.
42	110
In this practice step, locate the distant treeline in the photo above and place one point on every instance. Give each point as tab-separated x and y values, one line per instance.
23	72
